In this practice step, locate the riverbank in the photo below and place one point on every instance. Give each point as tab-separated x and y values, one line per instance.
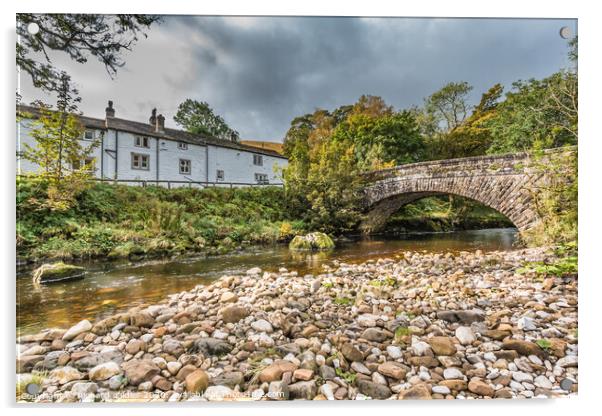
118	221
418	326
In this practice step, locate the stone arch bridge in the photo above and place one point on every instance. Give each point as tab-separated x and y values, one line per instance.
505	183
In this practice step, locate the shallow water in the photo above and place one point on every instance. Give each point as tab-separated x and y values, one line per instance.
110	287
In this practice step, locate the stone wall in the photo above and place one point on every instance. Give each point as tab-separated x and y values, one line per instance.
505	183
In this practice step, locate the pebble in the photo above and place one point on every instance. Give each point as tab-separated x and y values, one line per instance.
440	331
465	335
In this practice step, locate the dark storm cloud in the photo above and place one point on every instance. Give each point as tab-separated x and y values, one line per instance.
259	73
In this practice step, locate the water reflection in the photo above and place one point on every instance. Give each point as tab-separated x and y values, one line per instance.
111	287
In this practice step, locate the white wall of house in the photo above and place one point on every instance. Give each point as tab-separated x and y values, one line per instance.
24	138
238	165
108	162
126	148
117	147
170	155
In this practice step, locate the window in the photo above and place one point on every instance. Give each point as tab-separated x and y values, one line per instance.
89	135
185	167
182	146
220	175
258	160
86	164
261	178
89	163
140	141
140	162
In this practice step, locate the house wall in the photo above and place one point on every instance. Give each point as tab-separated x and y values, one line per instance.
116	148
24	137
238	165
126	146
108	156
169	161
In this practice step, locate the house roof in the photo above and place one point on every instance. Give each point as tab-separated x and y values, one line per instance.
277	147
146	129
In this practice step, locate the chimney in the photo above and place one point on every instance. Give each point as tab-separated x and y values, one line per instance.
153	118
110	111
160	126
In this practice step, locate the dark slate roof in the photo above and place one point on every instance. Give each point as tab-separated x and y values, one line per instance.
146	129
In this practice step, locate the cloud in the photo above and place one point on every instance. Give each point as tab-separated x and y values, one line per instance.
261	72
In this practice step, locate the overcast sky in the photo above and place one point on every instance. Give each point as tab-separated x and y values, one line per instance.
261	72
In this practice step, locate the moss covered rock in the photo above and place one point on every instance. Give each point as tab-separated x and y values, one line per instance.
126	250
312	241
56	272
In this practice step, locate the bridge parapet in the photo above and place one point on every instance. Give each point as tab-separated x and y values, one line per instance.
505	164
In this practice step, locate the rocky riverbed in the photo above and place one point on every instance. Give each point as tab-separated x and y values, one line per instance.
419	326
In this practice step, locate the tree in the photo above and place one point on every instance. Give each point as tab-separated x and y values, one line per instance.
65	164
328	151
444	111
449	105
79	36
198	118
392	138
538	114
472	138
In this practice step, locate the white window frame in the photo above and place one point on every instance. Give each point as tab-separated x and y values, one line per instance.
262	178
220	175
257	159
182	146
140	166
88	163
142	141
86	133
188	163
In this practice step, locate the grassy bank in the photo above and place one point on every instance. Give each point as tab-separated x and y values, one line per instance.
124	221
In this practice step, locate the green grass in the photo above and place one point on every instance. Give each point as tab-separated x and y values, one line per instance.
544	344
343	301
387	281
125	221
345	375
21	386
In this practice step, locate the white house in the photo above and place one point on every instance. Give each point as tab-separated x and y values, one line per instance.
136	153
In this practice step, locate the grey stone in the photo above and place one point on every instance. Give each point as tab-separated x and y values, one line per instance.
278	390
211	346
374	390
390	189
303	390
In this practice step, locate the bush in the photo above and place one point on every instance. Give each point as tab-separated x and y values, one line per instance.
126	220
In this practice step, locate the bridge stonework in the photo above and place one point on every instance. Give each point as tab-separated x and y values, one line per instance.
505	183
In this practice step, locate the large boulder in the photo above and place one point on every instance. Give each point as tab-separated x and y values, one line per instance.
56	272
312	241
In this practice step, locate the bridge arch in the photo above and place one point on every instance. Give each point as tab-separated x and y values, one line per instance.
504	183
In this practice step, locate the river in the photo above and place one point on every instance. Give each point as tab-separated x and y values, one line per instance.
111	287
